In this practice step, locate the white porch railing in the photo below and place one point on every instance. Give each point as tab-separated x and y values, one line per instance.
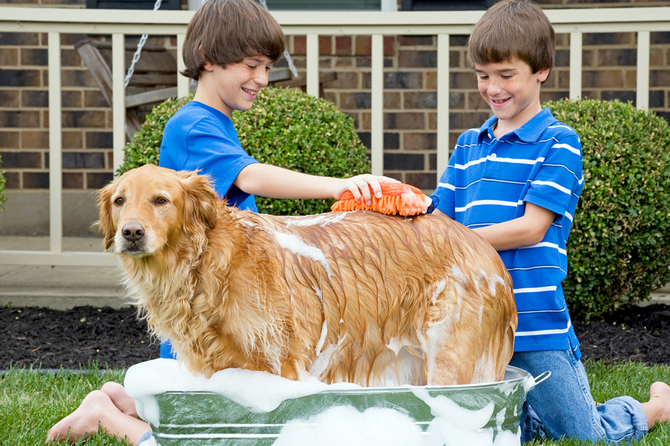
118	23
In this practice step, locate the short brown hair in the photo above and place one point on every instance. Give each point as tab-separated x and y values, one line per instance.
228	31
513	28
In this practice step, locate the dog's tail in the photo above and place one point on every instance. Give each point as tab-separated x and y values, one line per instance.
397	198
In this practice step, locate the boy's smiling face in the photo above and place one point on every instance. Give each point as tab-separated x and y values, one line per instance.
512	91
234	87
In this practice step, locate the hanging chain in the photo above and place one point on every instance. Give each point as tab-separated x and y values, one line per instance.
138	51
287	55
144	37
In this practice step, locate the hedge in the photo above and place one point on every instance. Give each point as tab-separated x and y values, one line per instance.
619	246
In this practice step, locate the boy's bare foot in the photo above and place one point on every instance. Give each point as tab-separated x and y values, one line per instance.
83	422
658	407
117	393
661	391
100	410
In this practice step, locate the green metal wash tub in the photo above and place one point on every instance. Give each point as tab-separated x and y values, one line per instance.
244	408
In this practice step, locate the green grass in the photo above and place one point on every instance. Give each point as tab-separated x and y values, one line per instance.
30	403
632	379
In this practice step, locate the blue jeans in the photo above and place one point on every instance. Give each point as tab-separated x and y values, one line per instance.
147	439
563	406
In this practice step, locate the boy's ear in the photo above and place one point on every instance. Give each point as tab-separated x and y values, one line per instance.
206	63
543	74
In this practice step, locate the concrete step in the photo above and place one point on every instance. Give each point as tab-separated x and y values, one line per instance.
59	287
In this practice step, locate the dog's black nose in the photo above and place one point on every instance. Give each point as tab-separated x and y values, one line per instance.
132	231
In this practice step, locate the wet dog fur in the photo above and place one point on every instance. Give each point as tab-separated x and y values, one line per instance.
345	296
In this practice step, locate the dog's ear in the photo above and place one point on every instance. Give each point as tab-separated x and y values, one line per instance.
106	224
200	202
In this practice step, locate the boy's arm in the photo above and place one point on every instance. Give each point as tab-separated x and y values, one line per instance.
523	231
271	181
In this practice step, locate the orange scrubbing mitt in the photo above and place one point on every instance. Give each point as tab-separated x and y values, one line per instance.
397	198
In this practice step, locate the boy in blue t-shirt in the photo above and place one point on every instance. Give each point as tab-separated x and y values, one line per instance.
229	48
516	181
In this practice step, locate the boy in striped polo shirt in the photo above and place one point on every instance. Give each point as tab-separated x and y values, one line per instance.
516	181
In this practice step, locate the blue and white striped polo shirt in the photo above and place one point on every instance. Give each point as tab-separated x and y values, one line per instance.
489	180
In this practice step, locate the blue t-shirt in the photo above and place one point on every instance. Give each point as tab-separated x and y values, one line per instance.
489	180
199	137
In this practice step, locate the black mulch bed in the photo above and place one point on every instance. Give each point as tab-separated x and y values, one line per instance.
638	334
117	339
72	339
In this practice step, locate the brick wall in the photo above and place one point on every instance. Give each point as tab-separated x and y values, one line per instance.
410	101
86	118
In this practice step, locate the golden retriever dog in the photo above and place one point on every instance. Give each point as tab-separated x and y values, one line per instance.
354	296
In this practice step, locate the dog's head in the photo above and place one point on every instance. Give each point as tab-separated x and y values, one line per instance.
150	208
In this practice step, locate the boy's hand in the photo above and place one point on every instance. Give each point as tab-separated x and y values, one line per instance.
360	186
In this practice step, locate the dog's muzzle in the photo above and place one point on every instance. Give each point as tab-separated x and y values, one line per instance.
134	241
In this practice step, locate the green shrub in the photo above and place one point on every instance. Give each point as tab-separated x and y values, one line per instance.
286	128
2	187
619	246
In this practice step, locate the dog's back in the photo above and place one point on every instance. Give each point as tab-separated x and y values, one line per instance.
376	299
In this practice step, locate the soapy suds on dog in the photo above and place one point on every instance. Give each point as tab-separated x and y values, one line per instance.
318	220
262	392
298	246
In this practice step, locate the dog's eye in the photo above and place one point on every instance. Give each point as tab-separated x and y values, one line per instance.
118	201
160	200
